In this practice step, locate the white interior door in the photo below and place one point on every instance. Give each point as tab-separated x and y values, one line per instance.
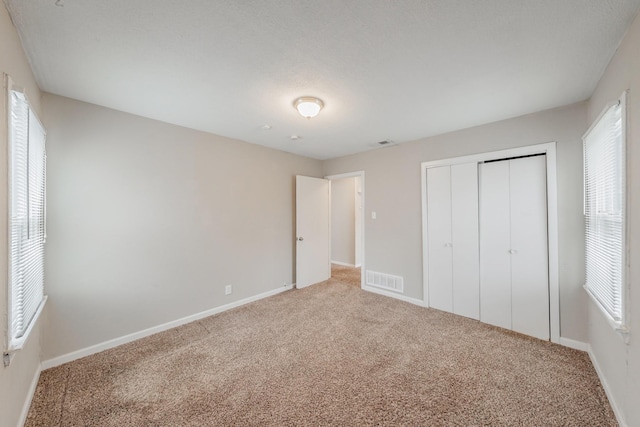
312	231
464	236
529	257
439	238
495	242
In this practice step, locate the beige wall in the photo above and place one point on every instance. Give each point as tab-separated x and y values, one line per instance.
147	222
15	380
620	363
343	221
393	241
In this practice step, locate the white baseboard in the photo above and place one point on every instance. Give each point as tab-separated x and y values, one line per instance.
607	390
576	345
65	358
344	264
29	399
393	295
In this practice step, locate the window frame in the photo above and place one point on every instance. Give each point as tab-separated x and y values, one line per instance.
619	325
15	342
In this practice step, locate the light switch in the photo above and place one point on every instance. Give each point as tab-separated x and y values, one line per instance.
373	215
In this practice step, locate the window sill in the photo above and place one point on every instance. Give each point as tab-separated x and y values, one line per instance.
18	344
618	326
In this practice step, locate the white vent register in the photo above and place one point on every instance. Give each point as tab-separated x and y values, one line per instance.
385	281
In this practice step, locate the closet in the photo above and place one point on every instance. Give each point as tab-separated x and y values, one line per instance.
486	242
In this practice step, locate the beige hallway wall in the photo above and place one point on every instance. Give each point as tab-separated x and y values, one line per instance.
343	221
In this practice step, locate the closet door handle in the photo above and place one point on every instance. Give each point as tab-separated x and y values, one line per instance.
513	251
448	245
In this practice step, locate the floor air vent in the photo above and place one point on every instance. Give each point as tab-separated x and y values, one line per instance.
385	281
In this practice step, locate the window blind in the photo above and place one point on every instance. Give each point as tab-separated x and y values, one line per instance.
604	208
27	162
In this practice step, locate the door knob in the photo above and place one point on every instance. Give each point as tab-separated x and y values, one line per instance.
300	239
513	251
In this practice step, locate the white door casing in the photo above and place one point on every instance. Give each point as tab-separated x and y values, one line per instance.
360	221
312	231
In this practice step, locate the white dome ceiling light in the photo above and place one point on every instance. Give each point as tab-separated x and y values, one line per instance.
308	106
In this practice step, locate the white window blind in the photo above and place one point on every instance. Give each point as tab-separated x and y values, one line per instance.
27	172
604	209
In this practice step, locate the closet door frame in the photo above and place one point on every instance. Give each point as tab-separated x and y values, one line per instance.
549	149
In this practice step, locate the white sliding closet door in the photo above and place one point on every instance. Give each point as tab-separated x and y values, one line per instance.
514	269
495	242
530	260
464	236
439	241
452	230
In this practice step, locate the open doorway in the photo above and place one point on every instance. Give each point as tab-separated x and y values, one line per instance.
347	227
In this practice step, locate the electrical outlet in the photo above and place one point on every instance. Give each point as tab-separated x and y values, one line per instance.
227	289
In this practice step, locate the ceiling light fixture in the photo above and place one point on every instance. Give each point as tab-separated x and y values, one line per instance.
308	106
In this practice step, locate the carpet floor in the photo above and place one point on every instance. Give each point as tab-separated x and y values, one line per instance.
329	354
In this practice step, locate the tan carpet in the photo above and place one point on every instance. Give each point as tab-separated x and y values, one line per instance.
346	275
330	354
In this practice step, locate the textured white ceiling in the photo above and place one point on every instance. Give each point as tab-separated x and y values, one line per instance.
398	70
